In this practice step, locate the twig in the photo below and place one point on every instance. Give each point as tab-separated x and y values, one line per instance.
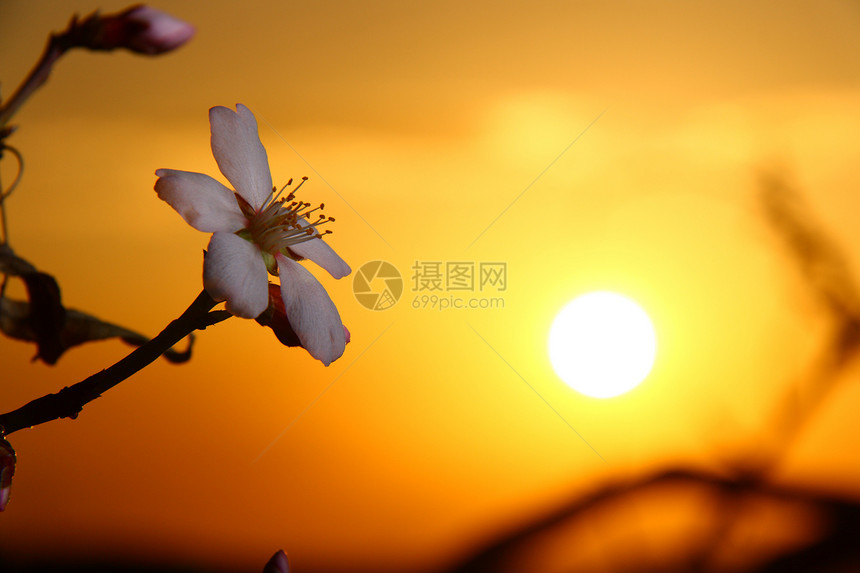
57	45
69	401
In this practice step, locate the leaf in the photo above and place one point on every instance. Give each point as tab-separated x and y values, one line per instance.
79	328
11	264
47	316
54	328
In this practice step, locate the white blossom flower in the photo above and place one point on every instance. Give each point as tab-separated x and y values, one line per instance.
255	230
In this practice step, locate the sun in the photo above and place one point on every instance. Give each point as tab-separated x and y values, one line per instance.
602	344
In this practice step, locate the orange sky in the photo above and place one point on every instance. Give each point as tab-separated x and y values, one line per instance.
419	124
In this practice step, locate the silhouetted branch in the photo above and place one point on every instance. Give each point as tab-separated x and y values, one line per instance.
69	401
828	277
829	280
824	267
842	517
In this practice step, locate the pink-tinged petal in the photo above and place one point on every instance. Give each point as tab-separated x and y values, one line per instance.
311	312
234	271
240	155
278	563
322	254
203	202
346	334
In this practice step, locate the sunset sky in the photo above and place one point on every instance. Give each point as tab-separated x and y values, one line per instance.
585	145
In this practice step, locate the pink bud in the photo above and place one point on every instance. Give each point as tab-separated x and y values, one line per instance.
141	29
278	563
7	470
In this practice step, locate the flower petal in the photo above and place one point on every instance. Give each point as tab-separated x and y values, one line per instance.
239	153
311	312
322	254
203	202
233	271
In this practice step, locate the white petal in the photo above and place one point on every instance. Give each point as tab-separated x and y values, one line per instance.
311	312
233	271
322	254
239	153
203	202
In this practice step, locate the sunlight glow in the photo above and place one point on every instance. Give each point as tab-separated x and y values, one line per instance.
602	344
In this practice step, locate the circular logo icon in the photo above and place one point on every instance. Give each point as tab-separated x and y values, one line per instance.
377	285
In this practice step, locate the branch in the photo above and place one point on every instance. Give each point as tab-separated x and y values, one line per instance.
837	542
57	45
69	401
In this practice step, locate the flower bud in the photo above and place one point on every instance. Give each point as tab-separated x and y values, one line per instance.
7	470
278	563
140	28
275	317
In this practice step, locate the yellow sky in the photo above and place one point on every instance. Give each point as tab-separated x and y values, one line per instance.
433	132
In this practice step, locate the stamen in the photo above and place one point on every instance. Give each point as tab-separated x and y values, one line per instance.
284	221
275	196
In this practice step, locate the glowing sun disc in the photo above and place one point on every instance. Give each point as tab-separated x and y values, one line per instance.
602	344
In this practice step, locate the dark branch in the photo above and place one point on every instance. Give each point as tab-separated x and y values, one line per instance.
69	401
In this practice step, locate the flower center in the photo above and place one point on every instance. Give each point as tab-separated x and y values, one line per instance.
282	222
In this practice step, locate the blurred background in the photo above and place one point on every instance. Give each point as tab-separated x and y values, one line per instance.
442	439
